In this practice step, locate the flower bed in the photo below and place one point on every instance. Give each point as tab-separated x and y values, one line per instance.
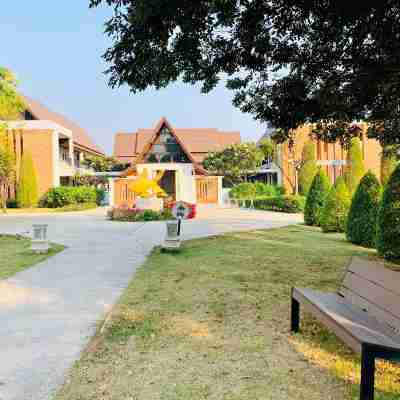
193	209
137	215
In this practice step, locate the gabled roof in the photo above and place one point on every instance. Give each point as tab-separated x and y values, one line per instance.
196	141
80	136
161	124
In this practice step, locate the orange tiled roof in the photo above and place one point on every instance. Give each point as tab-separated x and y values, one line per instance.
80	136
198	141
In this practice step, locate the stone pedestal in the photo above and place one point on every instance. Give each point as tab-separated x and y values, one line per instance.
172	240
39	243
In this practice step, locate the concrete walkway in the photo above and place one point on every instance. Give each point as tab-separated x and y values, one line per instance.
49	312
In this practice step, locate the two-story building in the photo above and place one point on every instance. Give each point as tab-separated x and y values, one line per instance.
57	145
330	156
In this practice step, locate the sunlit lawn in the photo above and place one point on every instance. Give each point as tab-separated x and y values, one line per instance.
212	323
15	255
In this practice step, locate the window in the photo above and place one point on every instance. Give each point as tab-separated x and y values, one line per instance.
166	150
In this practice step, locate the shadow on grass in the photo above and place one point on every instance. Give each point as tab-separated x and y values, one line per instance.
322	348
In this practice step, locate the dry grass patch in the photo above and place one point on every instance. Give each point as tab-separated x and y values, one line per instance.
212	323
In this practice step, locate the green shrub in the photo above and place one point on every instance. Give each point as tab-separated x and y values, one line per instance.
100	196
57	197
27	189
287	204
66	195
264	189
84	194
316	198
335	211
243	191
250	191
388	226
136	215
361	223
11	203
308	169
354	169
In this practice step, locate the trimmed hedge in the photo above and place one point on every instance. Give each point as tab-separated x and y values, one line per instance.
67	195
361	224
388	226
335	211
287	204
254	190
316	198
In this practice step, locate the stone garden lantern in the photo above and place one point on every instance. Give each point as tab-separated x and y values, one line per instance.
39	243
173	239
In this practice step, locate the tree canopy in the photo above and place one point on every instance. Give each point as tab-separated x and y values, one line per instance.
235	162
11	103
103	164
289	62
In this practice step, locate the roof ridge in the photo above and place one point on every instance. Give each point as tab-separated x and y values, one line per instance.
79	134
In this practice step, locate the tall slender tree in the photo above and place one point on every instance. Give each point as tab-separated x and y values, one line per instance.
27	190
316	199
388	162
11	105
308	169
354	169
361	223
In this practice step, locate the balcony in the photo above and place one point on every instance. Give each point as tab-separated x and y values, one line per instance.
66	166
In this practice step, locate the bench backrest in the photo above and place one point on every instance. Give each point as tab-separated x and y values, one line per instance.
375	289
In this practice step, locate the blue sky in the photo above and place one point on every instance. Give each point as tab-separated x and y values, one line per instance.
55	49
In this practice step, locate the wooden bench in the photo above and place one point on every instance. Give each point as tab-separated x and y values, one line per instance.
364	314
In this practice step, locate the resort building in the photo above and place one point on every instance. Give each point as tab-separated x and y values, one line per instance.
57	146
330	156
179	153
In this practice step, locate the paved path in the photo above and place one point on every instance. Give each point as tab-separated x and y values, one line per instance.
49	312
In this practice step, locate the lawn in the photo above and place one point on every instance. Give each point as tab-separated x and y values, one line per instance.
212	323
15	255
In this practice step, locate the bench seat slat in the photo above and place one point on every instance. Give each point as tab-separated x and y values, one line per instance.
376	272
371	308
387	301
354	326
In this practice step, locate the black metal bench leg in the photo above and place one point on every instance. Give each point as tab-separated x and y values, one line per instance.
367	374
295	316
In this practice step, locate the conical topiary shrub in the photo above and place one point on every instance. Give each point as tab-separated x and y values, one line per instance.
316	198
336	209
27	190
388	226
354	170
308	169
361	223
